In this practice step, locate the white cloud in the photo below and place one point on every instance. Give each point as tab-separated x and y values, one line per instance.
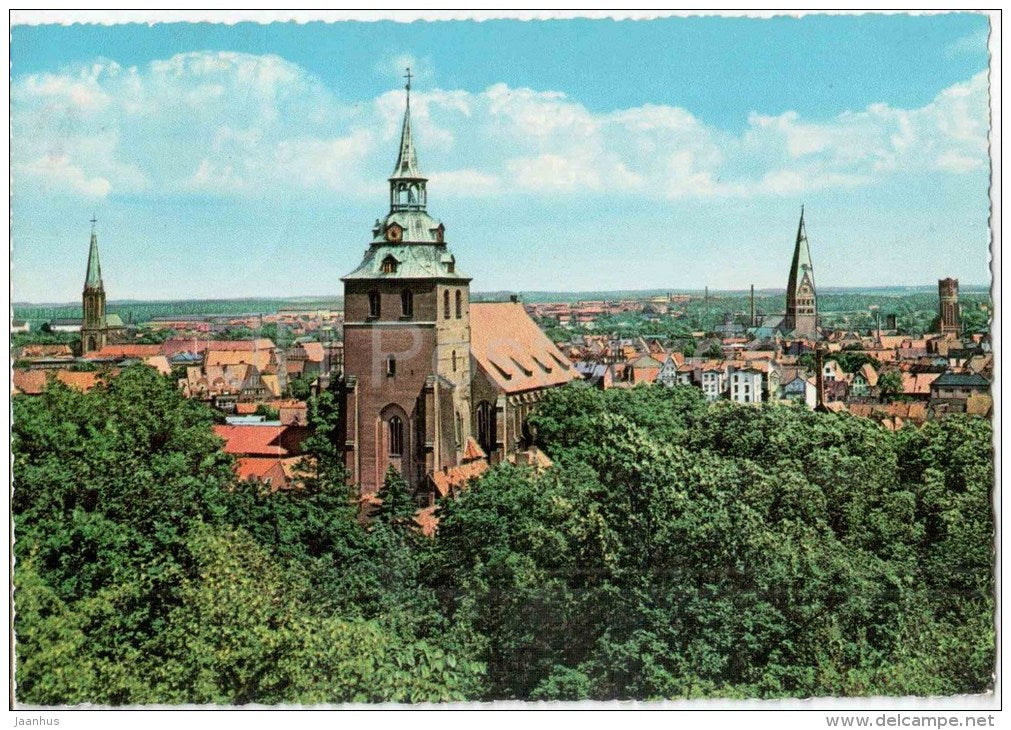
235	124
59	172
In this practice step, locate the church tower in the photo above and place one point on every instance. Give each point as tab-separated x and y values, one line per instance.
801	299
947	293
407	357
93	329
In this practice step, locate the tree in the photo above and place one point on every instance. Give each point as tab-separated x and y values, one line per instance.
890	385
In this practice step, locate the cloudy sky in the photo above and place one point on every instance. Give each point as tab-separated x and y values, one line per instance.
251	159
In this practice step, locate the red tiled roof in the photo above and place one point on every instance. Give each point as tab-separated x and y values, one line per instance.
110	352
472	450
512	349
32	352
33	382
426	520
257	440
918	383
455	478
196	345
313	351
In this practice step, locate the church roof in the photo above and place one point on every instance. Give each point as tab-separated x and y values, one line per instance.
93	279
407	160
418	227
516	355
412	262
801	263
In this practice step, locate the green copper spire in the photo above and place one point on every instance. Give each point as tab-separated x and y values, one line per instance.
94	277
407	161
801	265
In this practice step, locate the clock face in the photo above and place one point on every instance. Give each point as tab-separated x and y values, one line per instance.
394	232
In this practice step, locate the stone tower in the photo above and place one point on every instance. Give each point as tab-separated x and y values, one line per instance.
801	299
947	293
407	358
93	328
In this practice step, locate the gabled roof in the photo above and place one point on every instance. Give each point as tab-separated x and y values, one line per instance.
472	451
454	478
918	383
260	359
513	351
961	380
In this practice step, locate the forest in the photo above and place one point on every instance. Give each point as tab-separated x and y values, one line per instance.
674	549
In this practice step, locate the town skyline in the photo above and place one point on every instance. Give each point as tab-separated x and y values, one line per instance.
268	186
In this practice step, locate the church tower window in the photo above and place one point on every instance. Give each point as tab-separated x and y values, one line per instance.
407	303
445	304
374	304
391	366
459	304
396	436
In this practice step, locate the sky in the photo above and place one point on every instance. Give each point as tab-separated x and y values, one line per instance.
251	159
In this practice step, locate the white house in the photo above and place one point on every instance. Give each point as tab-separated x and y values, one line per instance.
746	386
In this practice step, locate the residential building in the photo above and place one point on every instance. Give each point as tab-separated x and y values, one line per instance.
746	385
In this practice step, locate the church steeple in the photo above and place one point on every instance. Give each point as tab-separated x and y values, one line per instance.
407	184
93	278
94	330
801	296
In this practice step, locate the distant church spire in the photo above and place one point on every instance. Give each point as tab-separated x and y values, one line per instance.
94	330
93	279
801	296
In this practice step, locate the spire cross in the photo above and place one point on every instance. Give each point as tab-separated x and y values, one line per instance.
408	76
94	220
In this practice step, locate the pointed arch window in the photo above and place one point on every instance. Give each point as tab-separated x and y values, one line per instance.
486	435
391	366
374	304
407	303
454	361
396	436
445	304
459	304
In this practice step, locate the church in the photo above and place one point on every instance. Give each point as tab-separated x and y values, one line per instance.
801	299
431	380
98	329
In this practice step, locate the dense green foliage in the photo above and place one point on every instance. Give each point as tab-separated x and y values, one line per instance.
145	574
675	549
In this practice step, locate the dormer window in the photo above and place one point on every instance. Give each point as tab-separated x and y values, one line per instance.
389	265
440	234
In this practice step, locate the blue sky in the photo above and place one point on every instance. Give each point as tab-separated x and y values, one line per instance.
250	160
